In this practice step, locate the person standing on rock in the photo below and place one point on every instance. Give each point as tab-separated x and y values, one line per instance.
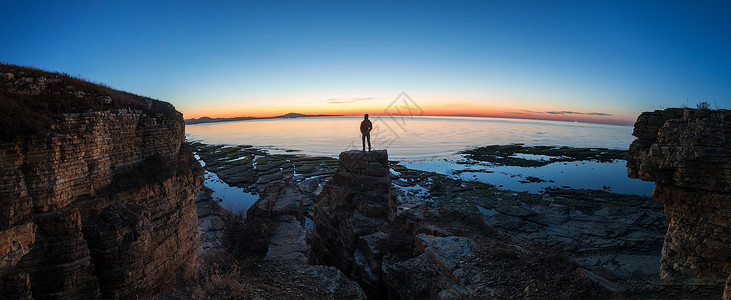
365	130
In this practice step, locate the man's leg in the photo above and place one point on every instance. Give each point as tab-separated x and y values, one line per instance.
363	135
369	141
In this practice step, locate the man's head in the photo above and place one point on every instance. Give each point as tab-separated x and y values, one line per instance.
365	116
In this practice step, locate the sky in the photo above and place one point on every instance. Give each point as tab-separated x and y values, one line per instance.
587	61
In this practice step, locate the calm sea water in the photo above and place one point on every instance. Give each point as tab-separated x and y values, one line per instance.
406	138
432	144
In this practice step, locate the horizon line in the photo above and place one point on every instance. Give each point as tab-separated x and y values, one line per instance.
613	122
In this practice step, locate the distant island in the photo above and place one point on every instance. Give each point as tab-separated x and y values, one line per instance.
286	116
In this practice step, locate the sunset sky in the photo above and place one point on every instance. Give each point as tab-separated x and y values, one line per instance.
596	61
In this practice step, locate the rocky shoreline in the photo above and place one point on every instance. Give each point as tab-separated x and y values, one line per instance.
613	240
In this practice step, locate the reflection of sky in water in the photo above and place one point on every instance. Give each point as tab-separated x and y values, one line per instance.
533	156
407	138
487	212
309	224
581	174
423	143
231	197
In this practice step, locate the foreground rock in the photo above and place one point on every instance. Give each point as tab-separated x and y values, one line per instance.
212	220
285	206
424	251
617	237
687	152
97	203
355	202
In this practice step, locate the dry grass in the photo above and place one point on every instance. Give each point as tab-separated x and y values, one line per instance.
218	275
227	273
247	239
26	110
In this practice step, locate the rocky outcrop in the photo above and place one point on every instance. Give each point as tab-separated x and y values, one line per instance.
287	207
99	203
357	230
212	220
454	257
687	152
356	202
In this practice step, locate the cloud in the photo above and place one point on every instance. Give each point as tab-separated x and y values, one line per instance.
347	100
565	112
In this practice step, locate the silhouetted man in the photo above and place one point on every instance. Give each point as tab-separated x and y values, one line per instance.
365	130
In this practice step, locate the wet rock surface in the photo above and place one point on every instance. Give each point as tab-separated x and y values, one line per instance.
416	249
687	152
615	238
254	169
510	155
282	199
619	236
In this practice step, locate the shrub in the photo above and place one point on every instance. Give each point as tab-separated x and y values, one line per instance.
247	238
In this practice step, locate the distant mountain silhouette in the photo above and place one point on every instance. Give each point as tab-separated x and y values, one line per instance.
285	116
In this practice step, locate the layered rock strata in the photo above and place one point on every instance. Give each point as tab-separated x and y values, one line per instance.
287	207
101	205
356	202
687	152
357	230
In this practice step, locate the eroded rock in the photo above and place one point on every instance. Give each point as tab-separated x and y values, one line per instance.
286	206
687	152
212	220
282	199
96	201
355	202
454	256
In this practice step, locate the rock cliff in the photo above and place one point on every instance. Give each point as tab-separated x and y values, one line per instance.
97	196
687	152
356	202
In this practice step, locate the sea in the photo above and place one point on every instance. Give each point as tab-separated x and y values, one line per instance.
433	144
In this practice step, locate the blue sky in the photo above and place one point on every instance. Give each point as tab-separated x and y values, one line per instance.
217	58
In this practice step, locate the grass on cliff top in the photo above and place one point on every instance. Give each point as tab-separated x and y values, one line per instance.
28	110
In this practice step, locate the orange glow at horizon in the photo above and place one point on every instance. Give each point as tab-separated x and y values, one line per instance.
428	110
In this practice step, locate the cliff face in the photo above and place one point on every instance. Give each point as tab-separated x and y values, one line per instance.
99	203
354	204
687	152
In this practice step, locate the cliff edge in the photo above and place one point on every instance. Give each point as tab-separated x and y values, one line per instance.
687	152
97	190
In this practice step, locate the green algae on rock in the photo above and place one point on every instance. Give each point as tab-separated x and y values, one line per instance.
518	155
